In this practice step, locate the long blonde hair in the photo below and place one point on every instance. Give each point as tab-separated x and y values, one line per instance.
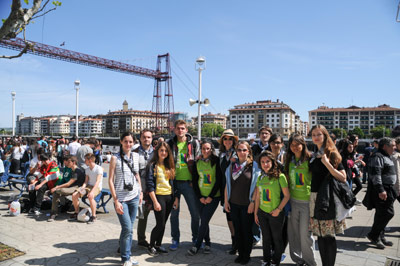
329	146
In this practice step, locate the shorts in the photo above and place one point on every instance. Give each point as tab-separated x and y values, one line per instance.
87	190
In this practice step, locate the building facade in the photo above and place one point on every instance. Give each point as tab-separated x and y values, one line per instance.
209	118
349	118
118	122
250	117
87	126
28	125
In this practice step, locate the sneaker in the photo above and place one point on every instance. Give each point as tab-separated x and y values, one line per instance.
161	250
378	243
152	251
92	219
207	249
134	262
143	244
127	263
73	217
37	212
52	218
174	246
192	251
358	202
256	242
31	210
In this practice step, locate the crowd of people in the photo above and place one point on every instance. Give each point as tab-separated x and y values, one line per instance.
284	196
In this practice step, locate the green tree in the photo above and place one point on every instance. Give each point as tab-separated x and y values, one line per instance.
357	131
378	132
192	131
339	132
22	13
211	130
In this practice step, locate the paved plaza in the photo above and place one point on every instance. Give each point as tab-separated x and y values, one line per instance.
73	243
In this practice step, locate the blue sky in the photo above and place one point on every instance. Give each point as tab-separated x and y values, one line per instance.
304	53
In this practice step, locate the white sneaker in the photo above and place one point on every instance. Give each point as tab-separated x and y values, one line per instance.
134	262
127	263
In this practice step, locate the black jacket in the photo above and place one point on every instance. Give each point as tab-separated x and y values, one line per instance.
151	179
325	208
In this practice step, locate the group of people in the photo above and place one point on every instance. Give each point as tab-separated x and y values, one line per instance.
283	195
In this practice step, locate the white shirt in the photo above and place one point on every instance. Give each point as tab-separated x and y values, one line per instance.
73	147
93	174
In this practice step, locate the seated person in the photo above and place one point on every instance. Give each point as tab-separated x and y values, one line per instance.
49	175
91	187
72	179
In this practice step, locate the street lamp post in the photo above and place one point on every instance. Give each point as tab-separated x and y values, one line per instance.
77	82
13	93
200	65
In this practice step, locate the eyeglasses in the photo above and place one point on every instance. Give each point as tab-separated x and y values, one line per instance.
227	138
276	143
242	150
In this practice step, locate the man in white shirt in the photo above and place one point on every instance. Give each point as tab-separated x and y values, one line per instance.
92	187
73	146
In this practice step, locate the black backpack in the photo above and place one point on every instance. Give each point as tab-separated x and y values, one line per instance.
343	192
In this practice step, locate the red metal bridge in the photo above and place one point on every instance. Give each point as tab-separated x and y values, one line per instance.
162	75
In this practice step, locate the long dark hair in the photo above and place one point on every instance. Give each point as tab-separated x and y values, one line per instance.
168	162
275	169
126	134
305	154
213	157
345	153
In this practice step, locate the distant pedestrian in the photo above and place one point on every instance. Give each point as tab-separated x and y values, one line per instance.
381	192
396	162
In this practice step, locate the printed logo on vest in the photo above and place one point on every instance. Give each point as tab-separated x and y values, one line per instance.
266	196
183	159
207	179
299	180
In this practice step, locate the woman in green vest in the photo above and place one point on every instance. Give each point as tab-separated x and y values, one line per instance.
268	212
301	242
207	179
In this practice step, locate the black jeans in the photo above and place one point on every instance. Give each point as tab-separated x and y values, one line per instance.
157	234
36	196
384	212
271	229
243	223
206	213
357	181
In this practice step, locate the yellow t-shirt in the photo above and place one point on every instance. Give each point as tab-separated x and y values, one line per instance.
163	186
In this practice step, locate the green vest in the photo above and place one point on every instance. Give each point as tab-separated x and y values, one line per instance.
181	167
270	191
300	181
207	176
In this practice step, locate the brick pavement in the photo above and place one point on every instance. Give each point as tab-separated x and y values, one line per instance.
73	243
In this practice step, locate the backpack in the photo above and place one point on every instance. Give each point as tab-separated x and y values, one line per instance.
343	192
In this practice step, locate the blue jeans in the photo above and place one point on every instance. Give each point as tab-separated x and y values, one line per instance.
126	220
206	213
186	189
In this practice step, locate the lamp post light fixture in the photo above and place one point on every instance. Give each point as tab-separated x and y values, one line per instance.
200	65
77	83
13	93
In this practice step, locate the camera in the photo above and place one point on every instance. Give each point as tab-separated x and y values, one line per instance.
128	187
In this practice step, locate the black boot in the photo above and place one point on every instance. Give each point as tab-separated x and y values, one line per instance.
233	249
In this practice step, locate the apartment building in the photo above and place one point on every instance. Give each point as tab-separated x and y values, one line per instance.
348	118
209	118
250	117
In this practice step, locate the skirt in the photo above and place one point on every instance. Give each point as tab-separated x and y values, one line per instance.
323	228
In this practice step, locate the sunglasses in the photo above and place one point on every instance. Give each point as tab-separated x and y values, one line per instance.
227	138
242	150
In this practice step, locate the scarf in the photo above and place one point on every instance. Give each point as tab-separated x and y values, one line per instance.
317	154
146	153
237	169
263	148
